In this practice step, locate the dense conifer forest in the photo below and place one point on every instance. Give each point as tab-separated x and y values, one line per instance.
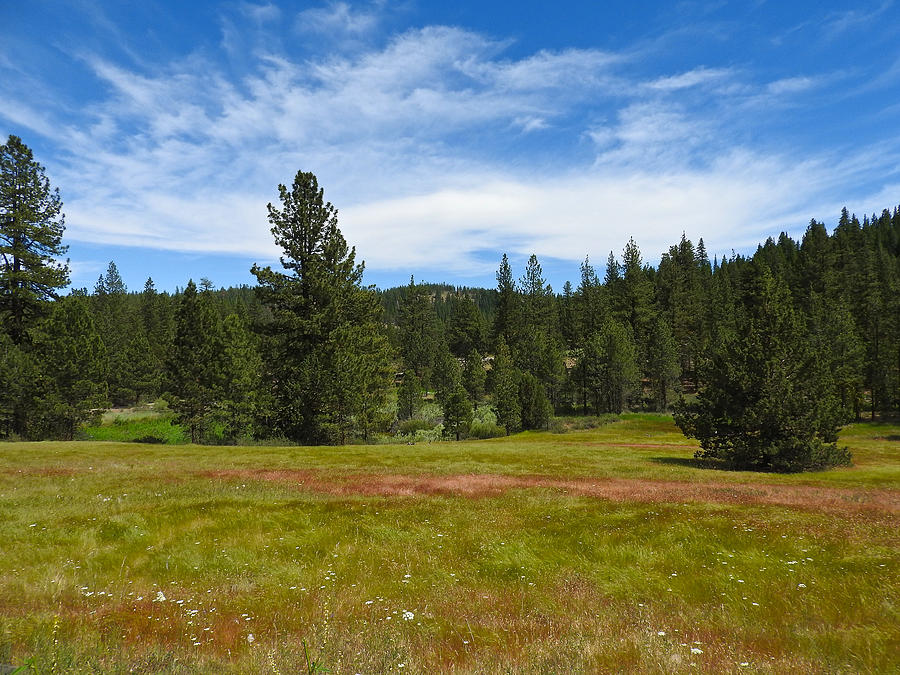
762	357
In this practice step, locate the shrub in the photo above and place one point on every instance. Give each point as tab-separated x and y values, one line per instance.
410	427
561	425
161	429
486	430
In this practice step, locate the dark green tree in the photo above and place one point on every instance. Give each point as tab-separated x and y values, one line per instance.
361	369
18	376
73	367
116	321
662	362
320	294
457	412
409	396
505	377
507	318
769	401
447	373
535	407
419	332
241	378
611	365
31	229
474	377
195	364
466	329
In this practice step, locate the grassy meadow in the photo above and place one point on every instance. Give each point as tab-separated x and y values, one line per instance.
607	549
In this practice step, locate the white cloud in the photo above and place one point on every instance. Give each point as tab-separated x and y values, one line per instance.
791	85
529	124
336	18
691	78
261	13
410	141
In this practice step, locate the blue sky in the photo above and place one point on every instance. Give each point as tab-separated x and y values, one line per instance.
449	133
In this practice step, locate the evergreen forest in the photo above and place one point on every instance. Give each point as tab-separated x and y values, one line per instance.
760	357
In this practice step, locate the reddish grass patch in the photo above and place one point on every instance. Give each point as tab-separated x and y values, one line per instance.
612	489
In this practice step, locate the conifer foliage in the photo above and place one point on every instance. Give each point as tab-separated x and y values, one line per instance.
772	352
320	315
769	400
31	228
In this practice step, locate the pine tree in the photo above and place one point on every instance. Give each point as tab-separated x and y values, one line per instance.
18	375
768	400
508	315
534	405
419	332
636	301
457	412
833	335
320	294
356	394
73	367
241	377
537	297
409	396
31	229
611	367
447	375
662	362
474	377
115	322
591	298
195	364
506	389
466	327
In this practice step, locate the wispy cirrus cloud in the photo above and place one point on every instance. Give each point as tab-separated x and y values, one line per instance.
438	144
337	19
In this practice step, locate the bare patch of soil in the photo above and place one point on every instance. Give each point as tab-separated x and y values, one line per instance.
612	489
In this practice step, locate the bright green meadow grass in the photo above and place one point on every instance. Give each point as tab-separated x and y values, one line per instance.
604	550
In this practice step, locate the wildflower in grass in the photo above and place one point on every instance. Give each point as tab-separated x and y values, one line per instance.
250	638
661	633
408	616
160	597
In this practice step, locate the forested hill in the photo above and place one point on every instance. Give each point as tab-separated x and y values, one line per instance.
443	297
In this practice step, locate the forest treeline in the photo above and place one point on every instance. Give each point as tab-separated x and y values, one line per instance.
804	330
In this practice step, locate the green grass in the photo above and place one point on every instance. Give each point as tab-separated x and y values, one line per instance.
524	579
144	427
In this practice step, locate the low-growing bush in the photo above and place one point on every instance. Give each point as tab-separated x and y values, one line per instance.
431	412
410	427
141	429
560	425
483	430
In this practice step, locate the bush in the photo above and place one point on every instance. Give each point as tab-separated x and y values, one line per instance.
141	429
431	412
483	430
561	425
484	424
410	427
